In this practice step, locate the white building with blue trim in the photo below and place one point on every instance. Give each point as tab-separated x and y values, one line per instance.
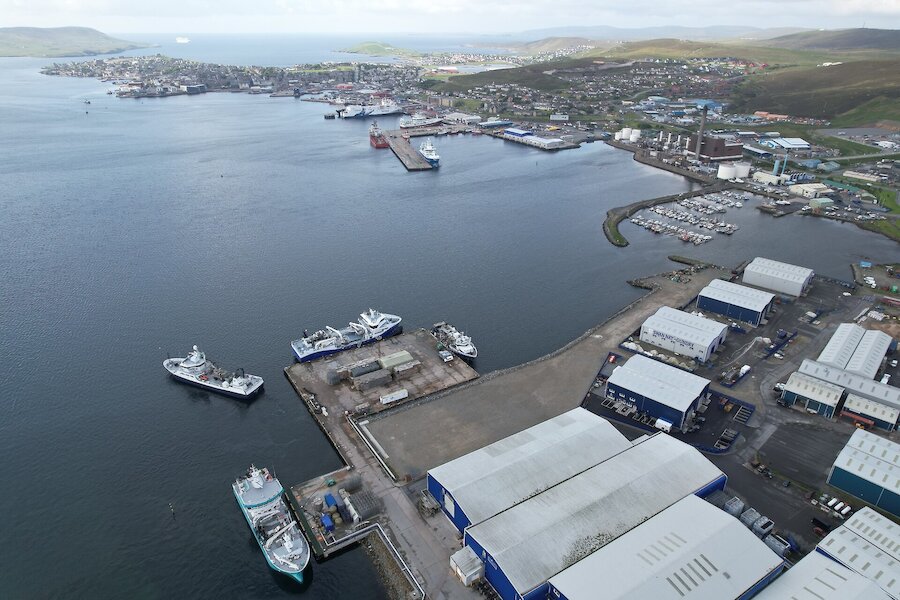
868	467
684	333
735	301
816	577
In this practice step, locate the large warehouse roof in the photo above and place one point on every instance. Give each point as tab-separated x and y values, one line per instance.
861	386
738	295
790	271
873	459
536	539
661	382
872	409
866	359
687	551
685	332
814	389
491	479
708	326
843	343
816	577
862	544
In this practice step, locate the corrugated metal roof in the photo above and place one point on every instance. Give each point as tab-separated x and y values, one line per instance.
739	295
875	445
814	389
538	538
819	578
866	359
861	386
840	347
871	408
859	554
690	550
697	330
491	479
867	467
663	383
792	272
877	529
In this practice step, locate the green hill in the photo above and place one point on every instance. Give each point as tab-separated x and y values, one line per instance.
825	92
685	49
549	44
60	41
841	40
379	49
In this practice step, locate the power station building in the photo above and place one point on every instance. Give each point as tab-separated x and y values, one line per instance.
777	276
869	468
816	577
716	148
483	483
524	546
735	301
868	544
658	389
687	551
683	333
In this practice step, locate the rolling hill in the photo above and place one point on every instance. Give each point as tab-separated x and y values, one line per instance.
826	92
840	40
60	41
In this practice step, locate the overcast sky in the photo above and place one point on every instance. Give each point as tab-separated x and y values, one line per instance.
444	16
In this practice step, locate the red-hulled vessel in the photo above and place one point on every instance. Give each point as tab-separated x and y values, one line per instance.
376	137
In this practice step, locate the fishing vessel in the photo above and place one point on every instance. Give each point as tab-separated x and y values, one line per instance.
260	496
355	111
456	341
418	120
370	327
197	370
376	136
429	153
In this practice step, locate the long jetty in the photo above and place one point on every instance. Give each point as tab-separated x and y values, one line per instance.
404	150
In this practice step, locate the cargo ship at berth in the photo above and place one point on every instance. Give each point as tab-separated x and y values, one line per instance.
376	136
429	153
197	370
370	327
260	496
418	120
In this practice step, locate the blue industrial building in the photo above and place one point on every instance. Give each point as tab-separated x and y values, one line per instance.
735	301
658	389
483	483
814	394
524	546
869	468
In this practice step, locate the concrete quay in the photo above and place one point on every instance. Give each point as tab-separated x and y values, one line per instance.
392	450
403	149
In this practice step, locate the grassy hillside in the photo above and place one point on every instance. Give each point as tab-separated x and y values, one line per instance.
684	49
379	49
533	76
880	110
550	44
841	40
59	41
825	92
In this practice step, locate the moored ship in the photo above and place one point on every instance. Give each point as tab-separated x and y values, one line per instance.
370	327
260	497
456	341
376	136
429	153
386	107
418	120
197	370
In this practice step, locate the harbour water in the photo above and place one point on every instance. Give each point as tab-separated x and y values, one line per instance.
133	229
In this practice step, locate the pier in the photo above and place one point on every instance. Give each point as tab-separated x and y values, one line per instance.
403	149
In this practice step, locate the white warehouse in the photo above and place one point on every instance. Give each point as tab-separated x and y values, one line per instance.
856	350
683	333
691	549
777	276
816	577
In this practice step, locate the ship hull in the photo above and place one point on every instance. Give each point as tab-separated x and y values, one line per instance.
378	142
296	576
322	353
216	389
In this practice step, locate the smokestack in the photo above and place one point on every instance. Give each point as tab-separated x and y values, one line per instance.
702	128
669	138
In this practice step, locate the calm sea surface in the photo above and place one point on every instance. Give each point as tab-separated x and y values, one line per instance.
134	228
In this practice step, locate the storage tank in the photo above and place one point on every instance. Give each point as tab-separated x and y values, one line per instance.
636	132
727	171
626	133
634	137
618	135
742	169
